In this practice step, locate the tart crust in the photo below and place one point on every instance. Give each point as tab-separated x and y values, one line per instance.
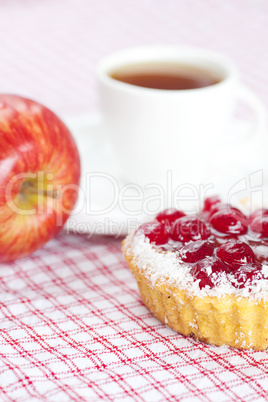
227	320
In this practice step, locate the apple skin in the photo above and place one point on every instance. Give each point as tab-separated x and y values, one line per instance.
39	176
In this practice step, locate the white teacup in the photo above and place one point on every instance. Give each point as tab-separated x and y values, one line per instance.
187	132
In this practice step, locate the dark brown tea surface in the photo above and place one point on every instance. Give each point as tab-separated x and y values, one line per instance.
169	76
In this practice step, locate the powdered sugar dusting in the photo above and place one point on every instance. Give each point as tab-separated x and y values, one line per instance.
166	268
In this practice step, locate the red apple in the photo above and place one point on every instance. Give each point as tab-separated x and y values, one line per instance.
39	176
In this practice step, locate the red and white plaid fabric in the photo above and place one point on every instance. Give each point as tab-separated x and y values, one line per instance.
72	324
73	327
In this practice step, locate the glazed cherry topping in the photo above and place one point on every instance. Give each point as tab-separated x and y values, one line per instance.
223	245
258	212
170	215
204	269
202	276
210	202
189	228
220	207
229	221
235	253
195	251
247	274
156	232
260	225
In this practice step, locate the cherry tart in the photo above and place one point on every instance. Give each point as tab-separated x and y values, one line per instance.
206	275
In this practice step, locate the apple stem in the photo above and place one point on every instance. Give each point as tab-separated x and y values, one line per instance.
29	187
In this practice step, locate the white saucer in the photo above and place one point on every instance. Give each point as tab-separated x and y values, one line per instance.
103	207
98	210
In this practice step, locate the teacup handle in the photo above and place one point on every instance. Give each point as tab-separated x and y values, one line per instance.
246	95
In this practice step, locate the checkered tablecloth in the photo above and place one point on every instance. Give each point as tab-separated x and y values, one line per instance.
72	324
73	327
